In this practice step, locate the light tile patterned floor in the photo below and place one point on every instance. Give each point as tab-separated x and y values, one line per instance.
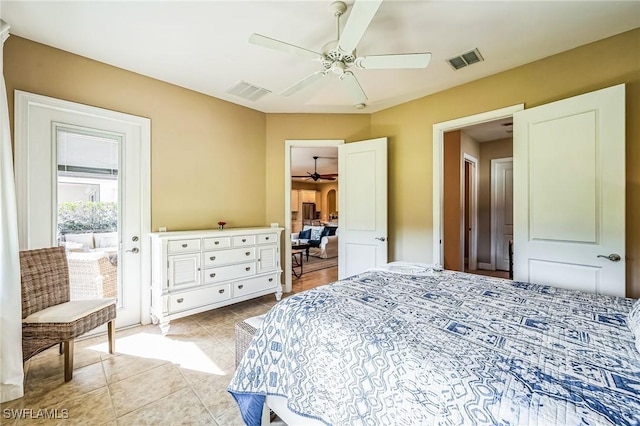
179	378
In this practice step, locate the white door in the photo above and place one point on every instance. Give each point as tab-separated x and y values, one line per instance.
362	189
569	193
102	154
502	195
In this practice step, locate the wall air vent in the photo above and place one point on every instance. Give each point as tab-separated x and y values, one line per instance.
248	91
467	58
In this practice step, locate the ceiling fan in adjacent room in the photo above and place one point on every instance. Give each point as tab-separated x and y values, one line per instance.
339	56
317	176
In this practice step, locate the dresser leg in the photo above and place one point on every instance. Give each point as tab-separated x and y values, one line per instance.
279	293
164	327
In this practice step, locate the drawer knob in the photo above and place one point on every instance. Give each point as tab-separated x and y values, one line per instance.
240	286
267	238
217	242
270	279
185	245
213	274
247	253
244	240
212	258
248	268
180	300
221	291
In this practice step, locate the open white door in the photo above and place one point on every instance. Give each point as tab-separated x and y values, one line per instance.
569	193
362	188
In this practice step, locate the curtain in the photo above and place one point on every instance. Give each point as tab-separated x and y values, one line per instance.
11	372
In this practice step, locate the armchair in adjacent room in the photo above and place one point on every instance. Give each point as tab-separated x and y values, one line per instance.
323	240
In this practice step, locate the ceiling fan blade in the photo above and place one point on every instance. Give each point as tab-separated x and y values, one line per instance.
303	83
274	44
353	87
361	15
405	60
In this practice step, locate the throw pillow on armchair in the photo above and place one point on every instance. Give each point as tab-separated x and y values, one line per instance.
305	235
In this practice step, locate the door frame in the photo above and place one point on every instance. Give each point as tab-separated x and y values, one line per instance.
494	208
23	103
473	211
288	144
439	130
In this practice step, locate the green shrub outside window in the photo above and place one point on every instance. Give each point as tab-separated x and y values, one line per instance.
87	216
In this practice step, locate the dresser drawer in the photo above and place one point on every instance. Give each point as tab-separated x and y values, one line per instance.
244	240
201	297
267	238
224	257
253	285
216	243
183	246
231	272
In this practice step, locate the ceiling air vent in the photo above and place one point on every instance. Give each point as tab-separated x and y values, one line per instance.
248	91
465	59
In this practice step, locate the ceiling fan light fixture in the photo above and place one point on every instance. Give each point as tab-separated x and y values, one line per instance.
339	55
338	67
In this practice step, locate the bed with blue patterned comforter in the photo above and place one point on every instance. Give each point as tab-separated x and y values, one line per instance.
406	345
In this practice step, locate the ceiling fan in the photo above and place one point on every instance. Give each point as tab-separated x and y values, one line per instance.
339	56
317	176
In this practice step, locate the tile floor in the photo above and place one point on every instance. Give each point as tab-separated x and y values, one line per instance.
179	378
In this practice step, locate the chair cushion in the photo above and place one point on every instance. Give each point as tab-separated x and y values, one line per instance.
85	239
68	311
106	240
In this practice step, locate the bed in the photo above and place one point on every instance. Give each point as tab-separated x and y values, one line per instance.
407	345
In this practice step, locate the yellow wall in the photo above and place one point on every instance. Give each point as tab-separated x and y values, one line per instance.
212	160
595	66
207	155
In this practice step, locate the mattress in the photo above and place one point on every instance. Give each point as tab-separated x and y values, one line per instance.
409	345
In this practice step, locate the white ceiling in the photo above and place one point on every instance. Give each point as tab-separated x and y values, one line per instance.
203	45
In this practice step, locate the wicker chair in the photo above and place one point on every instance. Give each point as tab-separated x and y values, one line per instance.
48	317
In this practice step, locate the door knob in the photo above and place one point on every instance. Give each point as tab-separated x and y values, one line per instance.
612	257
381	239
133	250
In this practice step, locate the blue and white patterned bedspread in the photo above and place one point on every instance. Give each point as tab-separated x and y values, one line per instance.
420	348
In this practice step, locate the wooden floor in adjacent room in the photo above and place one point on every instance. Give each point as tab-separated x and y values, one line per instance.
309	280
497	274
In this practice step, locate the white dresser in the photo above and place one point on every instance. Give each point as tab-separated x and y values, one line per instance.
194	271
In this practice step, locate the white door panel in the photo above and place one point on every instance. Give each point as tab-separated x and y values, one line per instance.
362	242
502	170
569	192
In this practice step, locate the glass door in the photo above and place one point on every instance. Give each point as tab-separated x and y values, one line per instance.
82	181
87	211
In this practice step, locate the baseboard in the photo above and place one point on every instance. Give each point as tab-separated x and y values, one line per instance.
486	266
